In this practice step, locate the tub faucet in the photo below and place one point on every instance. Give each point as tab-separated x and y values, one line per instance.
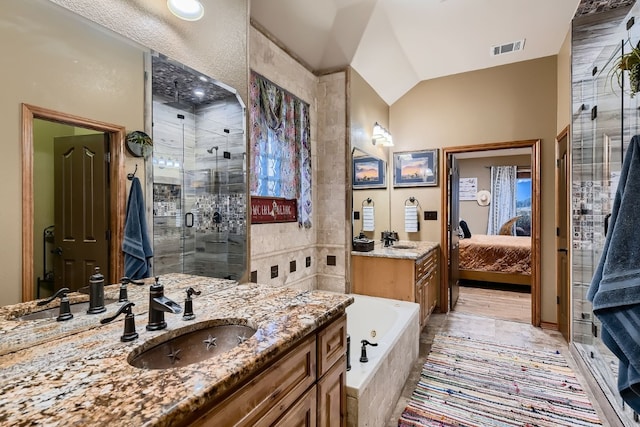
158	305
363	352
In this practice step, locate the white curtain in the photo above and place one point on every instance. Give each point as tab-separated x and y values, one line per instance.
503	197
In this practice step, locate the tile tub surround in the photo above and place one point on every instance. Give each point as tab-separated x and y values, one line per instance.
84	378
418	250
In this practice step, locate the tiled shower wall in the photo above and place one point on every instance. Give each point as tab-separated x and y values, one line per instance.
284	254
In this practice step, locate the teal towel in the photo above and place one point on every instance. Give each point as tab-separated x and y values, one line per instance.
135	244
615	287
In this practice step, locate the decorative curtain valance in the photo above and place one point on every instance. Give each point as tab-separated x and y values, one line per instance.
280	145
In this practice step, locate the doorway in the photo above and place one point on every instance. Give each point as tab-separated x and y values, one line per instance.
115	192
450	251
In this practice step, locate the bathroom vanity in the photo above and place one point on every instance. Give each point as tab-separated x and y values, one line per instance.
291	370
407	271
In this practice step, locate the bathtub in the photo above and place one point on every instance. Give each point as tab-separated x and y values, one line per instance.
374	387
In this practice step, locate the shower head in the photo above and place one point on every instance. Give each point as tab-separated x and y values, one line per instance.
210	150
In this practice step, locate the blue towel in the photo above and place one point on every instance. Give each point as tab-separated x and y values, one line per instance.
615	287
135	245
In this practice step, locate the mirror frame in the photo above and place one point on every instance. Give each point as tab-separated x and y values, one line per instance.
117	193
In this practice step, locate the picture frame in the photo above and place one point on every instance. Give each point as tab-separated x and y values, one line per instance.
416	168
368	172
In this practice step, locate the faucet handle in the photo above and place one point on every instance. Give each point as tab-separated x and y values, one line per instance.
130	333
188	304
59	293
125	280
65	307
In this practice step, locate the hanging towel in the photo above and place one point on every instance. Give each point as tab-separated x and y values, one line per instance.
135	245
368	221
410	219
615	287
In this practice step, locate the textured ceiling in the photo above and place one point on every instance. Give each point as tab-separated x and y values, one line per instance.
395	44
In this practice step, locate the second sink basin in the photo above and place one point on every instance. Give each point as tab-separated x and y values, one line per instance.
190	346
50	313
402	247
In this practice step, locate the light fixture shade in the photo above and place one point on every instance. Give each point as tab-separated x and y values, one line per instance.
381	136
189	10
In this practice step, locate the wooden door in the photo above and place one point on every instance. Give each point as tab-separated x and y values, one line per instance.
81	209
562	253
453	229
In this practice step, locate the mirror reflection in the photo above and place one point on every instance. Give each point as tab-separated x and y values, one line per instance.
199	173
370	195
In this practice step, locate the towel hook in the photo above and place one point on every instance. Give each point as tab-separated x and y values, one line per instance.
130	176
368	201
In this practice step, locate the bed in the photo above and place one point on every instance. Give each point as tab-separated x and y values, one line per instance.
500	259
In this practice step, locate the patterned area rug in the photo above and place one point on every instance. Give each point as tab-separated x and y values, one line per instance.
469	383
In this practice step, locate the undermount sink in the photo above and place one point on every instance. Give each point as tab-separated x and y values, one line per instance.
402	247
50	313
191	346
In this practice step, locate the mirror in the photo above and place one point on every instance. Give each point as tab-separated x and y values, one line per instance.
199	173
370	194
66	69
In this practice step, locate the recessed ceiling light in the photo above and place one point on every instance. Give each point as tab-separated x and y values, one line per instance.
189	10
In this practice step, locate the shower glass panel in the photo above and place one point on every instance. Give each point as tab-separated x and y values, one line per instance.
199	174
601	131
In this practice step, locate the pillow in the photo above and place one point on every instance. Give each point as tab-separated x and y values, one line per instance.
465	229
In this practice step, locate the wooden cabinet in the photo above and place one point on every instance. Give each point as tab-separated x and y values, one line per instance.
415	280
304	387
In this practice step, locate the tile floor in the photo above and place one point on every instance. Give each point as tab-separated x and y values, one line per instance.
501	331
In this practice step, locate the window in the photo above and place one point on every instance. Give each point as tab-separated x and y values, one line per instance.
523	202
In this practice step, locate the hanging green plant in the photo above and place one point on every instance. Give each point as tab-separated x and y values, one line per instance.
630	62
139	143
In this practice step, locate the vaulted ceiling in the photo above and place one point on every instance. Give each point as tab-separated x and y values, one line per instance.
395	44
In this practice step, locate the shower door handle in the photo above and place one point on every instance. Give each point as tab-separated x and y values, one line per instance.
188	220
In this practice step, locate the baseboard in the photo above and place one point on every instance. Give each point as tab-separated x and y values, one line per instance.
549	325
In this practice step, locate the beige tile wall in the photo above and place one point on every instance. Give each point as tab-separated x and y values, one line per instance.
279	244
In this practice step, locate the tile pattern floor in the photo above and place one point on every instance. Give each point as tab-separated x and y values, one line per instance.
486	328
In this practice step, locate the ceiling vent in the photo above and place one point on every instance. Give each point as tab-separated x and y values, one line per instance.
510	47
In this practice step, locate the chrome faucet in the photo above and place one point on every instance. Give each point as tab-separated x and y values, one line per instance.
158	305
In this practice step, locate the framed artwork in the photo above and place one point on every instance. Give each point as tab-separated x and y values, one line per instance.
369	172
415	168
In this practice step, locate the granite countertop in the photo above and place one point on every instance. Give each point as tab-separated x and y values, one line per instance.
402	249
76	372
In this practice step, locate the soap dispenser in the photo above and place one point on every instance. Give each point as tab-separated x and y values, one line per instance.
188	304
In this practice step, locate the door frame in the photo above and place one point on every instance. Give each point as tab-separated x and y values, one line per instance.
535	145
564	304
117	188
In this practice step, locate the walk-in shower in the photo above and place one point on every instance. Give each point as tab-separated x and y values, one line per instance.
199	191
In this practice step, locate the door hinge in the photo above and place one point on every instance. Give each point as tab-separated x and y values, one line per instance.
557	231
594	330
108	235
558	300
107	157
557	163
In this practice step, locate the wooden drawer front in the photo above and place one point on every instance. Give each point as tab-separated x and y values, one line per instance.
303	413
267	396
332	344
332	396
426	264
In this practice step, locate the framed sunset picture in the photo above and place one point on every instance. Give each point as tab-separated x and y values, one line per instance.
369	172
415	168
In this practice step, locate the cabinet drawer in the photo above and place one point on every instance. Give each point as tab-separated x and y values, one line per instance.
332	344
426	264
264	399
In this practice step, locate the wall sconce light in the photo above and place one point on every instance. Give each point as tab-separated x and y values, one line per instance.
189	10
381	136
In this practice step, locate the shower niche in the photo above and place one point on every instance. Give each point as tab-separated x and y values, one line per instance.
199	173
